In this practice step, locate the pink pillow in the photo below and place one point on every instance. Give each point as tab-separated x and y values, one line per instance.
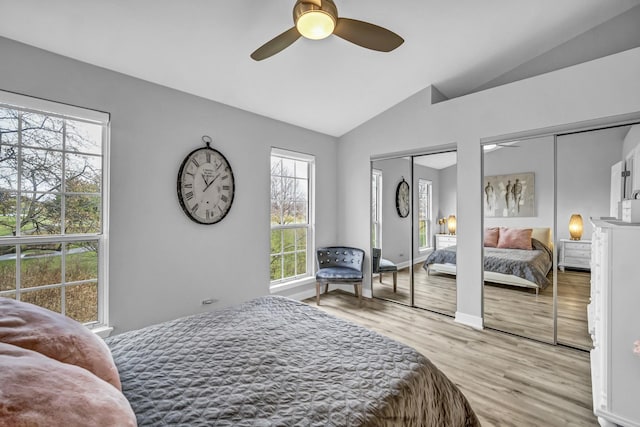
515	238
40	391
56	336
491	237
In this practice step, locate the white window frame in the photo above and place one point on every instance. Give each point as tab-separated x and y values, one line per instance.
284	283
425	208
70	112
376	196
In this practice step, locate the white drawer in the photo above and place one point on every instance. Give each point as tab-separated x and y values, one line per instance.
584	262
582	252
578	246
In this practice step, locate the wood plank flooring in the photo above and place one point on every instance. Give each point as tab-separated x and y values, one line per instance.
509	381
508	308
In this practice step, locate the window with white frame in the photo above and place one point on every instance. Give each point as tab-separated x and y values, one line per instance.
424	213
53	206
292	211
376	208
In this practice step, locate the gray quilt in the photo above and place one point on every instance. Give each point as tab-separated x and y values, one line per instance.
276	362
531	265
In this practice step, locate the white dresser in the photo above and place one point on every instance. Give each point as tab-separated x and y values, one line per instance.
574	254
614	323
445	240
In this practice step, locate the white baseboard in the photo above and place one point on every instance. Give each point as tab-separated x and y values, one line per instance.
304	294
469	320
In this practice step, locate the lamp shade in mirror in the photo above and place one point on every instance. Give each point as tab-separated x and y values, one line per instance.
576	226
451	224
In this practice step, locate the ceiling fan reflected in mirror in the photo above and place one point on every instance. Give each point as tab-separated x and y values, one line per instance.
495	146
318	19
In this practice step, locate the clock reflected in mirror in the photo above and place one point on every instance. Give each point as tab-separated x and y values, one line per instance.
205	185
402	199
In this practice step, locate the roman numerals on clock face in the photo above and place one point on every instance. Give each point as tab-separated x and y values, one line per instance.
206	186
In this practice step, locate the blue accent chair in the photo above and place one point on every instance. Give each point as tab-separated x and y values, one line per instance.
339	264
381	265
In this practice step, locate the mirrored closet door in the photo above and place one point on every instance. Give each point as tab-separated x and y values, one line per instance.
434	222
404	233
391	229
590	184
552	186
519	218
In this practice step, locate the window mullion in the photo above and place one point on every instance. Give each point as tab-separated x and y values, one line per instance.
18	225
63	184
18	271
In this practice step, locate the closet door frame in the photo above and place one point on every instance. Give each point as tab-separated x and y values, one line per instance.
555	132
411	154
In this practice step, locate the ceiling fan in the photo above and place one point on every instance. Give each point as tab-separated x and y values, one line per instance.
318	19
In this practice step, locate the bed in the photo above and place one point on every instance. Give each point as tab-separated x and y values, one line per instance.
507	266
274	361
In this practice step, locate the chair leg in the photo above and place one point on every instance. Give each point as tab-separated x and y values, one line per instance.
355	289
326	288
318	293
380	277
395	280
359	292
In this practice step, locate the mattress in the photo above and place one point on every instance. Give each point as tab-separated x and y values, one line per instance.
532	265
273	361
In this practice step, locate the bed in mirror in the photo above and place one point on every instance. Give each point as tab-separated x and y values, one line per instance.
519	217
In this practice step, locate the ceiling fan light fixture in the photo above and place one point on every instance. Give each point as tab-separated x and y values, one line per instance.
315	24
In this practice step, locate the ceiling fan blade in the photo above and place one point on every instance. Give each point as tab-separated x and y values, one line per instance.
276	44
367	35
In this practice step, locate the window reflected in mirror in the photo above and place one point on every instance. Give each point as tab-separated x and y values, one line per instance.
401	244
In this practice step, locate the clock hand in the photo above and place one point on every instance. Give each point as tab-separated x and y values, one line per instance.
204	178
212	181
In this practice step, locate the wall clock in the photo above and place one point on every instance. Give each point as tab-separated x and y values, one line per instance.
205	185
402	198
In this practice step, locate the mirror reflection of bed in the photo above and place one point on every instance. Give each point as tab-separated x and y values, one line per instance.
519	195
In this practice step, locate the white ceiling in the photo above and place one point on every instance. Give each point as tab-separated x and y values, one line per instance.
202	47
437	160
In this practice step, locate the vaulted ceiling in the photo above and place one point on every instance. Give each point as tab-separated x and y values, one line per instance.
331	86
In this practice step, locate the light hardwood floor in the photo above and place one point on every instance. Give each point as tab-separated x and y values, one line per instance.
507	308
509	381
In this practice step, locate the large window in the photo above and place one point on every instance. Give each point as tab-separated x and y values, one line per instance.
53	206
376	208
291	216
424	213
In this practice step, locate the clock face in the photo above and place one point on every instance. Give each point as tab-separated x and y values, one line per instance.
205	186
402	199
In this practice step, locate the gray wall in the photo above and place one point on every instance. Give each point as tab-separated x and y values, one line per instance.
584	175
396	231
631	140
448	187
601	88
616	35
531	155
162	264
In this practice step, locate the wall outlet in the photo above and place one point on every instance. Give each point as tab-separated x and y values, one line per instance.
401	255
209	301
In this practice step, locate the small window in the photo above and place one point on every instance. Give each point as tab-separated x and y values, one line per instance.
376	208
53	206
292	212
424	213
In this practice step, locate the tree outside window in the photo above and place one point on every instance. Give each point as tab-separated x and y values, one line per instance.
424	213
51	211
291	213
376	208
